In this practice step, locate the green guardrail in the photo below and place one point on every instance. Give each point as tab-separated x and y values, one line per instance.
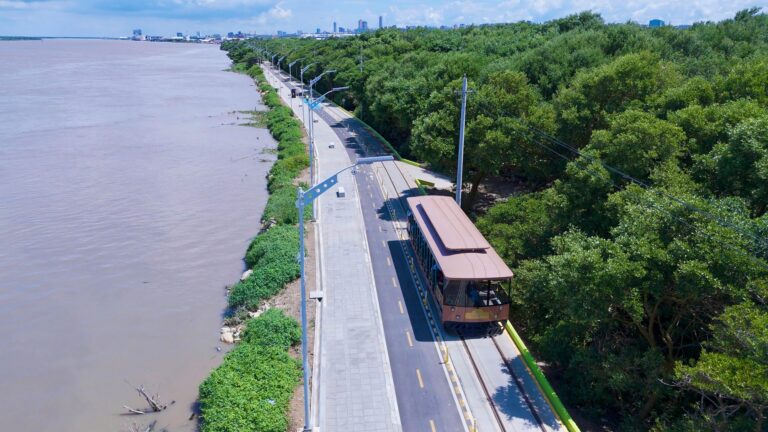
424	183
541	380
414	163
384	140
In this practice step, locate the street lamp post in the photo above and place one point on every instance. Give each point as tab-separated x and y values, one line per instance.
304	69
278	63
304	198
290	65
272	61
312	120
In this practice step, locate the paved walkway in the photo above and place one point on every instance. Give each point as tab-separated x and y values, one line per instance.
356	391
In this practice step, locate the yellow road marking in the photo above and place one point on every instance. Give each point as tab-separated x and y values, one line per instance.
389	262
410	342
418	375
394	282
399	303
432	425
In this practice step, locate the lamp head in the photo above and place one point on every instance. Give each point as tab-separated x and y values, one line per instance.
373	159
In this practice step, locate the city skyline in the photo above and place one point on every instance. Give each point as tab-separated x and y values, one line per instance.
115	19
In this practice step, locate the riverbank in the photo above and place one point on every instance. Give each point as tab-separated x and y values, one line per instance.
257	385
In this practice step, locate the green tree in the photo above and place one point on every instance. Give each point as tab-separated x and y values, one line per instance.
731	375
584	106
636	142
740	166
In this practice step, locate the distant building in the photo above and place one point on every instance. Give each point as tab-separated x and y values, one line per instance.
137	35
334	26
179	34
381	22
317	30
281	33
655	23
342	30
362	26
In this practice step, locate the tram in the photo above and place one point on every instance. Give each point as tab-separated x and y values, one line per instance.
468	280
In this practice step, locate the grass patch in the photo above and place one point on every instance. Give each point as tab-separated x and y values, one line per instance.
252	388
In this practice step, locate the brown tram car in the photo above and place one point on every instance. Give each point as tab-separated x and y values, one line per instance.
468	280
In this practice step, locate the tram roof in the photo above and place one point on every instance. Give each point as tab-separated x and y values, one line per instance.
459	248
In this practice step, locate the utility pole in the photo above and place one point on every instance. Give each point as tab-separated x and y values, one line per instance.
363	88
459	169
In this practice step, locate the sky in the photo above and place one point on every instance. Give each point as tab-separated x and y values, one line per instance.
114	18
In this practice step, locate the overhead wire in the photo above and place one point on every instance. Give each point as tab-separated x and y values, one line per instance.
753	255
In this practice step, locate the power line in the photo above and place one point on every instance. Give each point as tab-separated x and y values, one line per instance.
760	243
648	205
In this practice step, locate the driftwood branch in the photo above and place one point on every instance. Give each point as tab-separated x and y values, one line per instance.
134	411
154	403
151	400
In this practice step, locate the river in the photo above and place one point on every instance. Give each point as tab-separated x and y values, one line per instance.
128	194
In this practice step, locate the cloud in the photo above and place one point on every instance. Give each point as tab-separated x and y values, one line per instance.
31	4
174	9
275	13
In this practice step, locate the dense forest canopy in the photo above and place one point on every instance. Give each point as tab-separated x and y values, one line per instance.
638	235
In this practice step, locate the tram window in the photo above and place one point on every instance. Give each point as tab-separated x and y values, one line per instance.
440	280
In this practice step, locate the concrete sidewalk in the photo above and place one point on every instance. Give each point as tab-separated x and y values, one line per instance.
356	391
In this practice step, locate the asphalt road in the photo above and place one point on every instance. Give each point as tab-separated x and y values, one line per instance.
425	398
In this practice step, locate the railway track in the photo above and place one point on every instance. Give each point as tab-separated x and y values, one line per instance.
496	409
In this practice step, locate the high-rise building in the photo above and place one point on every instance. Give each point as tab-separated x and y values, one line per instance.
363	26
381	22
334	26
137	32
317	30
655	23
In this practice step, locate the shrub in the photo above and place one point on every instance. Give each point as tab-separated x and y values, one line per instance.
251	389
266	281
273	328
272	244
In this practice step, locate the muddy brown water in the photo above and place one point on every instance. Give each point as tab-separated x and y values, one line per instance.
127	197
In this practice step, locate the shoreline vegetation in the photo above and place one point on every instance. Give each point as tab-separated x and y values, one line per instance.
253	387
